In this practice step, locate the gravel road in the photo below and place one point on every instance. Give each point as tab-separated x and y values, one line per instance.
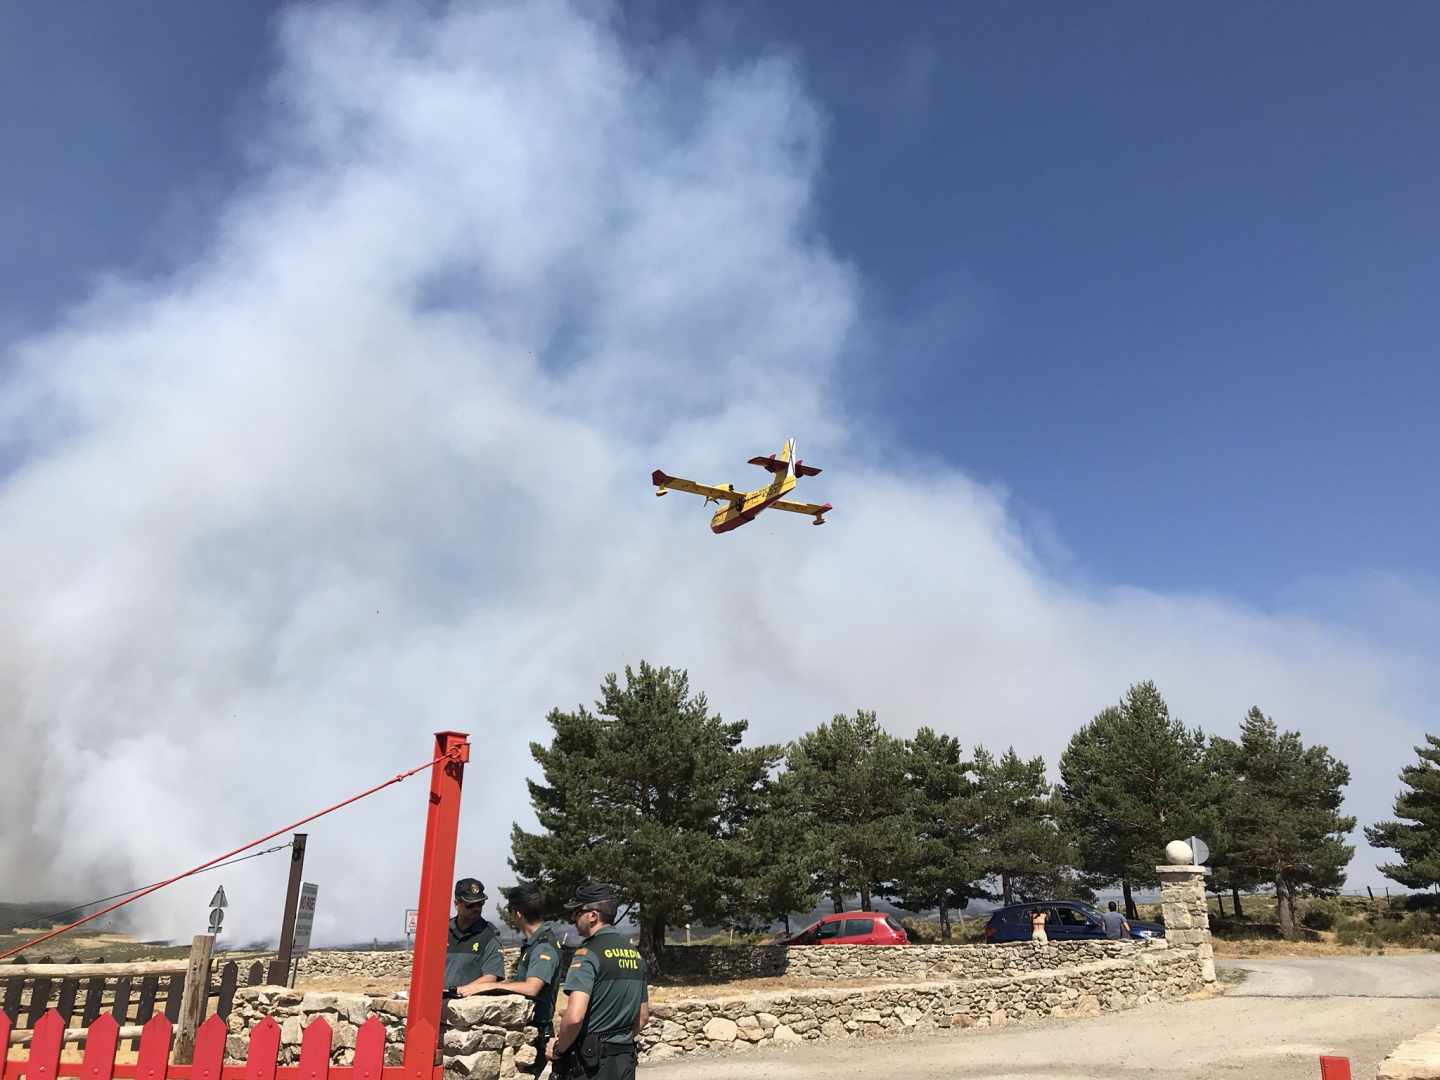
1410	976
1303	1009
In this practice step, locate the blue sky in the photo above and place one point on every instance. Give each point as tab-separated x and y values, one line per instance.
1109	328
1161	273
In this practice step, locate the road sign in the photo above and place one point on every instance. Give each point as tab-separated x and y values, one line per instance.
304	918
218	900
1199	849
217	917
412	917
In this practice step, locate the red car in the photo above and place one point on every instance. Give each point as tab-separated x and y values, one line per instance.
852	928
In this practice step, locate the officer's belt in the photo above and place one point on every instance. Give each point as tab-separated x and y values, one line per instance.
607	1049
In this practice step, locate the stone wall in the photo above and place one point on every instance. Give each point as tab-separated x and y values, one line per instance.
911	962
1149	973
391	965
484	1037
380	966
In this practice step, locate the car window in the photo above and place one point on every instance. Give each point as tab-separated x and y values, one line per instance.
1071	917
890	922
858	927
830	929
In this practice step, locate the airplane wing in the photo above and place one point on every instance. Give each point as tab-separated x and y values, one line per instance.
818	510
675	483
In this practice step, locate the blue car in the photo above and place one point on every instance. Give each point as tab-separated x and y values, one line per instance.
1068	920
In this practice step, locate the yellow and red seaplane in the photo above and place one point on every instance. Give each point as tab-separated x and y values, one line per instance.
743	507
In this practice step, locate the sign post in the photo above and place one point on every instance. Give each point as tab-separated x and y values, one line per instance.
304	923
412	916
218	904
280	967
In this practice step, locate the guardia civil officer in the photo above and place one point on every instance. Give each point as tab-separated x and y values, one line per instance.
474	952
606	999
537	971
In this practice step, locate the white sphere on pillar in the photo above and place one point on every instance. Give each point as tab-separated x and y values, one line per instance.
1178	853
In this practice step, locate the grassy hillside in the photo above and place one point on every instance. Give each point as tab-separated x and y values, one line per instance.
21	922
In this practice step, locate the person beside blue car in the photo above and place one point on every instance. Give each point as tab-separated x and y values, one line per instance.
1066	920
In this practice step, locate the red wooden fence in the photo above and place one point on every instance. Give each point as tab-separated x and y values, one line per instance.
153	1061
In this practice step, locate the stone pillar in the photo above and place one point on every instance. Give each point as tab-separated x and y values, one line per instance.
1187	913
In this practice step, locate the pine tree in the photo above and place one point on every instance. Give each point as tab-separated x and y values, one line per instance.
1222	767
781	857
650	792
849	776
1016	821
945	870
1286	826
1132	780
1416	837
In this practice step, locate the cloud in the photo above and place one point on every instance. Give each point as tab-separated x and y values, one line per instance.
375	464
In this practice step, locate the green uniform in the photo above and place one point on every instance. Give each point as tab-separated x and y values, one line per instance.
540	959
472	953
612	972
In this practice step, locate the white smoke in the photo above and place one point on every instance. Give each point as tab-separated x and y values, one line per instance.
377	465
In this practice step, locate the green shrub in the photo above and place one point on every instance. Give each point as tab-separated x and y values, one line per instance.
1318	919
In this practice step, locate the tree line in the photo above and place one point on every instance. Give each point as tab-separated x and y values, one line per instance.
653	791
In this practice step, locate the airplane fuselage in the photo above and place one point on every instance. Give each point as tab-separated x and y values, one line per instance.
742	513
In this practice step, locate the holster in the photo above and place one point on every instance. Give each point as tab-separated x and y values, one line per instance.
588	1049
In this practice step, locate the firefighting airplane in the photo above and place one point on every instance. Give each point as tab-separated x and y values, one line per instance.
745	506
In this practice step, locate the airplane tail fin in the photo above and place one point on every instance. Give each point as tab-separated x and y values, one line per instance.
799	468
785	462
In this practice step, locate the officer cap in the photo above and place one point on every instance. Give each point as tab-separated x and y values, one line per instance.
522	894
469	890
596	892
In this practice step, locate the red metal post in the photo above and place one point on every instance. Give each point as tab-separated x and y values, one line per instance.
427	972
1334	1068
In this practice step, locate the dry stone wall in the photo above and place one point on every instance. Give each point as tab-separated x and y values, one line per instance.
914	962
484	1038
726	962
1149	973
378	966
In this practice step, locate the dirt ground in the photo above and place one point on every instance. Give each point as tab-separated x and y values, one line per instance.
1258	1039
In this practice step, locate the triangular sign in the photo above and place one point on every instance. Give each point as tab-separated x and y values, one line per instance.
218	900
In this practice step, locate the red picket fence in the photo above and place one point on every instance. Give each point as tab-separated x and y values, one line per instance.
153	1061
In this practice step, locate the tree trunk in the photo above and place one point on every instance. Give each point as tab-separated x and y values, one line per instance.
1130	912
652	943
838	901
1285	909
787	923
1006	891
1235	897
1220	902
865	898
944	921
